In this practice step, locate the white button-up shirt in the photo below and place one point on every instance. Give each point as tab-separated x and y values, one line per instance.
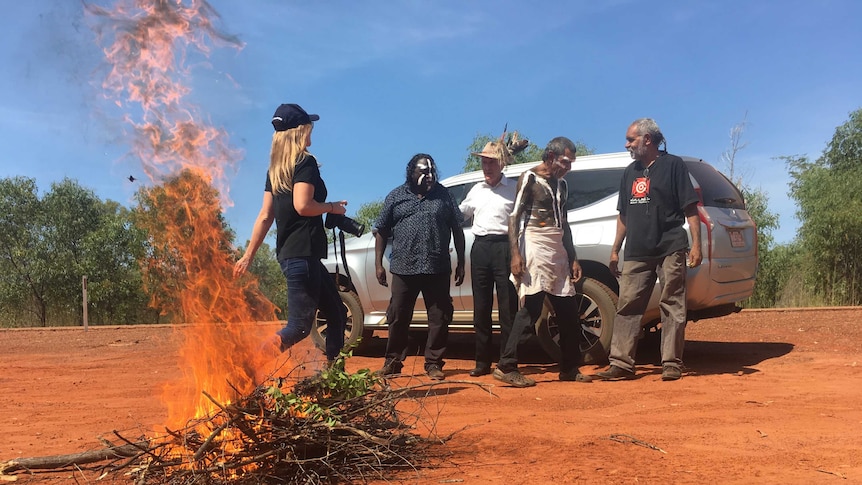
490	207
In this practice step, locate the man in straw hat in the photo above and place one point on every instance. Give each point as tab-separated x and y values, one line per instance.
489	204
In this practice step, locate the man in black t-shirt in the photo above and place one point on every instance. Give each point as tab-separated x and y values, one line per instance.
420	216
656	199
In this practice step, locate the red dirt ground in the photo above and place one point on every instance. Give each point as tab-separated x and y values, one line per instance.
768	397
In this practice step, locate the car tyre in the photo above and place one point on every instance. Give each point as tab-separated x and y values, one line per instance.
598	307
353	330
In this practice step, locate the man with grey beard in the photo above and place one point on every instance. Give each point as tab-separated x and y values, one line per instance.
656	199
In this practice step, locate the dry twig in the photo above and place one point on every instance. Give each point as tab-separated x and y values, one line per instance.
625	438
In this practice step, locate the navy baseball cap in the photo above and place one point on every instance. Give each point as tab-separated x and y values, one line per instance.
288	116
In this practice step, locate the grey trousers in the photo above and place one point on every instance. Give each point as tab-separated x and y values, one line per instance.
636	286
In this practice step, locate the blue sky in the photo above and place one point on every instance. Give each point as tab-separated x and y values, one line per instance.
393	78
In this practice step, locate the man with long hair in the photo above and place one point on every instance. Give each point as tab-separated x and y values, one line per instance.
420	216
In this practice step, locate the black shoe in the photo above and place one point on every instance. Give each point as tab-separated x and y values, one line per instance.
575	376
615	373
670	373
479	371
514	378
435	372
390	369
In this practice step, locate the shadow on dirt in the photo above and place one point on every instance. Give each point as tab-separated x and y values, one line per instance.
706	357
701	357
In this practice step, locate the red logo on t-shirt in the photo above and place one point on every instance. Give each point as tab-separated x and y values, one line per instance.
640	187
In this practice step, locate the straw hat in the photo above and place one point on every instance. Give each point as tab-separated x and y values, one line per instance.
496	150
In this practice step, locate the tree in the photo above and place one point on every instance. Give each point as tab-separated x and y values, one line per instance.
24	257
844	151
830	212
368	213
532	153
736	144
830	232
87	237
47	245
115	283
769	282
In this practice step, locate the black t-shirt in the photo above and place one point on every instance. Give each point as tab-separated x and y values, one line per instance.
298	236
653	206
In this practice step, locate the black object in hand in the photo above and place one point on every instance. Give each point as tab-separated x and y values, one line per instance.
344	223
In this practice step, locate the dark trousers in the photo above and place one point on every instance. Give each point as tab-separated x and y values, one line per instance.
438	303
566	313
490	265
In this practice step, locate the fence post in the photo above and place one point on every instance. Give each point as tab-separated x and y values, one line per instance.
84	287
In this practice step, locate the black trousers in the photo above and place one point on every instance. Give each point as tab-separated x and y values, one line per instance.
490	265
438	303
567	312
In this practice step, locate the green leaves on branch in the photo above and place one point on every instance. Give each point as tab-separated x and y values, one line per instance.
829	207
320	397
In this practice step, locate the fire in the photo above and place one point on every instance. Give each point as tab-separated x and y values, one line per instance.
147	44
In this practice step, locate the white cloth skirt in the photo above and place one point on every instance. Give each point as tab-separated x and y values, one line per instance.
547	264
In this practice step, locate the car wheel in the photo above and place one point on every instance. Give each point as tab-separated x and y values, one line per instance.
353	330
598	306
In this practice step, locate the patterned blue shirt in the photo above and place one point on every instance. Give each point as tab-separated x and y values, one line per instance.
421	228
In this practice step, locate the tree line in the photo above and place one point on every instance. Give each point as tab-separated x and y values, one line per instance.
822	265
49	241
133	266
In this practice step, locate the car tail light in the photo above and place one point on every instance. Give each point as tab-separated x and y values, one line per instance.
756	246
704	218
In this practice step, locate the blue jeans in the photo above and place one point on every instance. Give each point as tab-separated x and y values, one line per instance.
309	288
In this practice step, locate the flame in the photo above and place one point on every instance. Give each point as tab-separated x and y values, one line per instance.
147	45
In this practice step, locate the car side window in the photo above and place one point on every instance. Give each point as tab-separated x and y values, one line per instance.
716	189
459	193
590	186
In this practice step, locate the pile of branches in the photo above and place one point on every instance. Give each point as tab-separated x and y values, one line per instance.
332	427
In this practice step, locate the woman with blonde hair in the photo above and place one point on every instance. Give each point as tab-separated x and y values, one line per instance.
295	198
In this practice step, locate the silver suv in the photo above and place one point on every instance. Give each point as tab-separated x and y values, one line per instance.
726	276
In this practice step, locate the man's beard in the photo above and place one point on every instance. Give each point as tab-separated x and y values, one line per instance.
637	153
422	186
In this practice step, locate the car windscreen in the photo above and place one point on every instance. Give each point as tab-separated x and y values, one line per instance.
715	188
590	186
